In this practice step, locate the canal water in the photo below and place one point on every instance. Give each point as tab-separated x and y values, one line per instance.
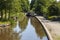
27	29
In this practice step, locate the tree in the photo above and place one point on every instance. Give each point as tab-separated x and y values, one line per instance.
32	4
1	8
25	5
41	6
53	10
9	7
5	5
58	5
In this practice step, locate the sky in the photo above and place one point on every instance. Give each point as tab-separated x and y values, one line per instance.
58	0
29	1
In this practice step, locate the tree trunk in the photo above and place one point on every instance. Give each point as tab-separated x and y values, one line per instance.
1	14
5	14
9	15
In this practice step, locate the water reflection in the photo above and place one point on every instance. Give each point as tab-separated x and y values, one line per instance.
17	28
29	33
38	28
28	29
23	23
8	34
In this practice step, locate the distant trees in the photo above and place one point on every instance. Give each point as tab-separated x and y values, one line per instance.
53	10
4	6
25	5
58	5
36	6
41	7
7	7
32	4
45	7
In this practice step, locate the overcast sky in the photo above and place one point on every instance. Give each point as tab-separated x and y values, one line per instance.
29	1
58	0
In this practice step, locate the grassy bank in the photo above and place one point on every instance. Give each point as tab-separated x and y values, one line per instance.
54	18
6	22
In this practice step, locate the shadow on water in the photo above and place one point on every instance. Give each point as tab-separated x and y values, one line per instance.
28	29
38	27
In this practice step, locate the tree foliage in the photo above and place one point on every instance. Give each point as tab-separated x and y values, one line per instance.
45	7
53	10
25	5
7	7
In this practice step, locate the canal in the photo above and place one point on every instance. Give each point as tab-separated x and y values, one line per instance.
27	29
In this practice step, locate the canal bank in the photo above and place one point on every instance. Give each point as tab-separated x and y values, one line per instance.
52	28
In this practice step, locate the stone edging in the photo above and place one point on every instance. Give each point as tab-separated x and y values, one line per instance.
47	32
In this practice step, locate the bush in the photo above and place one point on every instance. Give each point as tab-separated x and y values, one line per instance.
54	18
53	10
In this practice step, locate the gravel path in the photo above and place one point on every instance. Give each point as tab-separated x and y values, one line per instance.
53	27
